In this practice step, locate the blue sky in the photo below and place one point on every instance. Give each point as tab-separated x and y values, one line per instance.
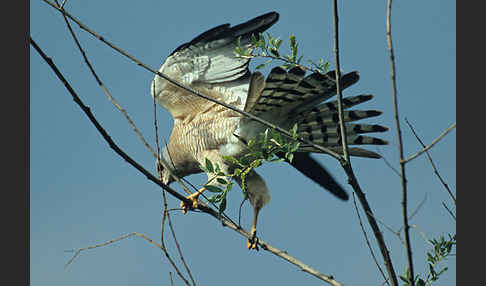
82	193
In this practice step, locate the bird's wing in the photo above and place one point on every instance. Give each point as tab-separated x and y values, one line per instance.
208	64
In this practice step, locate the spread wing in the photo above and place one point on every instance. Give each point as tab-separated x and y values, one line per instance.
208	64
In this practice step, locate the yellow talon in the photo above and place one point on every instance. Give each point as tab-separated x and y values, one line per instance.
253	240
193	198
253	243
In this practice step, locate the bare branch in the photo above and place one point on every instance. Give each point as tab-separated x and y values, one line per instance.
406	227
388	163
430	145
449	211
78	252
100	83
346	163
342	126
368	241
432	162
166	213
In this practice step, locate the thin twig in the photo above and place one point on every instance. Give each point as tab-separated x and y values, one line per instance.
62	5
449	211
166	213
193	91
432	162
388	163
419	206
78	252
374	225
202	207
342	126
368	241
100	129
425	149
406	227
100	83
390	229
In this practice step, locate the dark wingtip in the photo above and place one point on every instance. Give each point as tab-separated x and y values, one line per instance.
379	128
366	97
378	141
373	113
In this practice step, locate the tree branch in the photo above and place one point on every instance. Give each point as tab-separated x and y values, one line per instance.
100	83
446	186
161	247
346	163
430	145
406	227
368	241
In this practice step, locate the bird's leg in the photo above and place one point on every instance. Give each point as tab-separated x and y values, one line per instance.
193	198
253	240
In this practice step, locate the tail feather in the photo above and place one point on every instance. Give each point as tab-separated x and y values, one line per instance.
333	105
288	97
334	130
332	118
296	93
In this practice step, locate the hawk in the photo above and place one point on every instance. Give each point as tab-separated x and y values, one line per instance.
204	129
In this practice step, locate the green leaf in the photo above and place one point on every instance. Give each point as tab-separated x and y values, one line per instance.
420	282
222	181
294	129
231	160
260	66
256	163
229	186
432	270
265	138
237	172
245	193
300	59
209	166
214	198
276	159
290	157
295	147
274	52
403	279
275	142
222	206
442	271
254	40
213	189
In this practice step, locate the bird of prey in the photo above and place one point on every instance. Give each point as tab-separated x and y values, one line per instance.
204	129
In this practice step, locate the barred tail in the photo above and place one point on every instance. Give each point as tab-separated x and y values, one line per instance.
288	97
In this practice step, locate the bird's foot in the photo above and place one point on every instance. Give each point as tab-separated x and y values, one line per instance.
193	198
253	241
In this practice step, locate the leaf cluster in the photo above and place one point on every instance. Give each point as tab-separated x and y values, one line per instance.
270	146
269	47
441	249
